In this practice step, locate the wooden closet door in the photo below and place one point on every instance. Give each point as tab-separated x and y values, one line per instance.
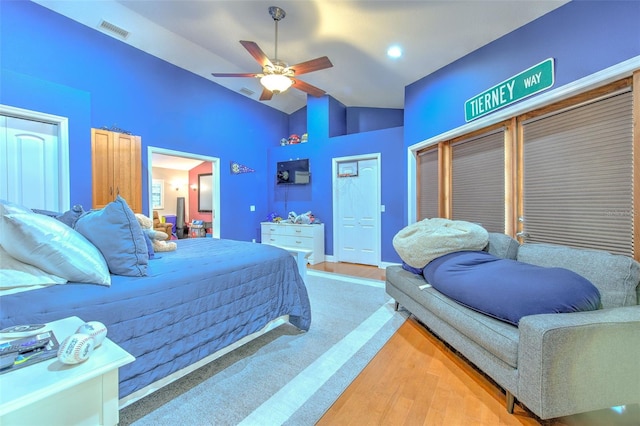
127	164
116	162
102	167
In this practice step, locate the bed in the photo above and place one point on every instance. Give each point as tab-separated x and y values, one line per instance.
193	304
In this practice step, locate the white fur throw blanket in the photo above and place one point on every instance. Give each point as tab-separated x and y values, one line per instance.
421	242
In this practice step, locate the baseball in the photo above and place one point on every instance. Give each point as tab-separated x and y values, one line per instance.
95	329
76	349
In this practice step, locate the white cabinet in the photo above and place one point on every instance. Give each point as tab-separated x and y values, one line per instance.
310	237
53	393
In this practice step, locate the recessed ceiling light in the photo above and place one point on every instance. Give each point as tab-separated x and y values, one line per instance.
394	52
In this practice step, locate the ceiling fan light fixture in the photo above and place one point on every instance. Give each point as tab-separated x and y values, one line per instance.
276	83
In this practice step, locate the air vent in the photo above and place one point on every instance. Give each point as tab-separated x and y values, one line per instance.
246	91
114	29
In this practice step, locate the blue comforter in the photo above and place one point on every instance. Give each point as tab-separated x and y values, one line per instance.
201	298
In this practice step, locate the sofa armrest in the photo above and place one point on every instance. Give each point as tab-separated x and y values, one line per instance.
577	362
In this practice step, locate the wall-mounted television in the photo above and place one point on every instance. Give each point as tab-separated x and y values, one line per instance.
293	172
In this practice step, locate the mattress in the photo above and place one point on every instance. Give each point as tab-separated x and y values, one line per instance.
203	297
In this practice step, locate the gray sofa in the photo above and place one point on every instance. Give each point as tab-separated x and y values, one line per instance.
554	364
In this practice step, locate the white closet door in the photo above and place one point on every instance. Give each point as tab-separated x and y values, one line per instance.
30	160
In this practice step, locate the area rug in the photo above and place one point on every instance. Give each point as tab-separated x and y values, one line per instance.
285	377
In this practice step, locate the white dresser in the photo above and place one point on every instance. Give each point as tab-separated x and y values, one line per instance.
309	237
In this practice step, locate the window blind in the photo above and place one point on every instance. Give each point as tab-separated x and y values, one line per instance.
478	181
578	176
428	184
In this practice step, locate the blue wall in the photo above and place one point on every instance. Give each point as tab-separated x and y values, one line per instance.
367	119
583	36
323	114
55	65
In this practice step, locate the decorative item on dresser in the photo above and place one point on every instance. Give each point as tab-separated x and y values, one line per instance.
294	235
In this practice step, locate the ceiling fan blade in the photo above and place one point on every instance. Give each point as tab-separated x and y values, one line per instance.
312	65
306	87
257	53
266	95
227	74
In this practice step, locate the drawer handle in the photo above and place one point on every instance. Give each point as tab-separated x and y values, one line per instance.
271	239
298	242
298	230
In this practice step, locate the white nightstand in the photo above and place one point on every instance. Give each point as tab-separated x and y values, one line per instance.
53	393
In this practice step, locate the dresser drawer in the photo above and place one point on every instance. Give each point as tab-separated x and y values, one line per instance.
299	231
267	229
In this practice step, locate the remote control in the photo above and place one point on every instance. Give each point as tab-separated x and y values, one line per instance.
21	331
25	345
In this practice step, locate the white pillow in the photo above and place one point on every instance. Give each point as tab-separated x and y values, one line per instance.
14	273
52	246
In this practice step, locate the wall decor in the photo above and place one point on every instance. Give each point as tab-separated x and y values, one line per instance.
237	168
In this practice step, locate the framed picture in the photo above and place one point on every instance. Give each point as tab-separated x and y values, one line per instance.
157	194
205	192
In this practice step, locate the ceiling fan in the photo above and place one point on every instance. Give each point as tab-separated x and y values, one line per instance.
277	76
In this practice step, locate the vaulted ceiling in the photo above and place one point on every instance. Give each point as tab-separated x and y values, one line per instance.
203	37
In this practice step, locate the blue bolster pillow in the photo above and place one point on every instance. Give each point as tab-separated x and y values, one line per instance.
507	289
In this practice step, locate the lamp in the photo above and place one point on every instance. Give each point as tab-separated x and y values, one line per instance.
276	83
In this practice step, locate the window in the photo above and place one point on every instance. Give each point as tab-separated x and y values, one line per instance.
157	194
477	182
578	176
561	174
428	184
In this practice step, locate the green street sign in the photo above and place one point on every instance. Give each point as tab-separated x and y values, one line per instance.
529	82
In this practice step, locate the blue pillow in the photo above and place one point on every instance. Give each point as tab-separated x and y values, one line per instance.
406	267
507	289
115	231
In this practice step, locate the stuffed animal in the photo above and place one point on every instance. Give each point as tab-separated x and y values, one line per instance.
305	218
158	238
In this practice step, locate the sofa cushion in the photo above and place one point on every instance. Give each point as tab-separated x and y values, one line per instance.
507	289
502	245
615	276
496	337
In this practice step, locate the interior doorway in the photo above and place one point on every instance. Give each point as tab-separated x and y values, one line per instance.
356	209
193	191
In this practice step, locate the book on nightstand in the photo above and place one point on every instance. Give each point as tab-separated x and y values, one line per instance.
25	351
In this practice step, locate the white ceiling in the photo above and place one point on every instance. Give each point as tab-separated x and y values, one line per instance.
203	37
174	163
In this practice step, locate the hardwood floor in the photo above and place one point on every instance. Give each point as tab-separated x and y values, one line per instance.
353	269
416	379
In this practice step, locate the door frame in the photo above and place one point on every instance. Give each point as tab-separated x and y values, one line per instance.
62	123
334	182
215	164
